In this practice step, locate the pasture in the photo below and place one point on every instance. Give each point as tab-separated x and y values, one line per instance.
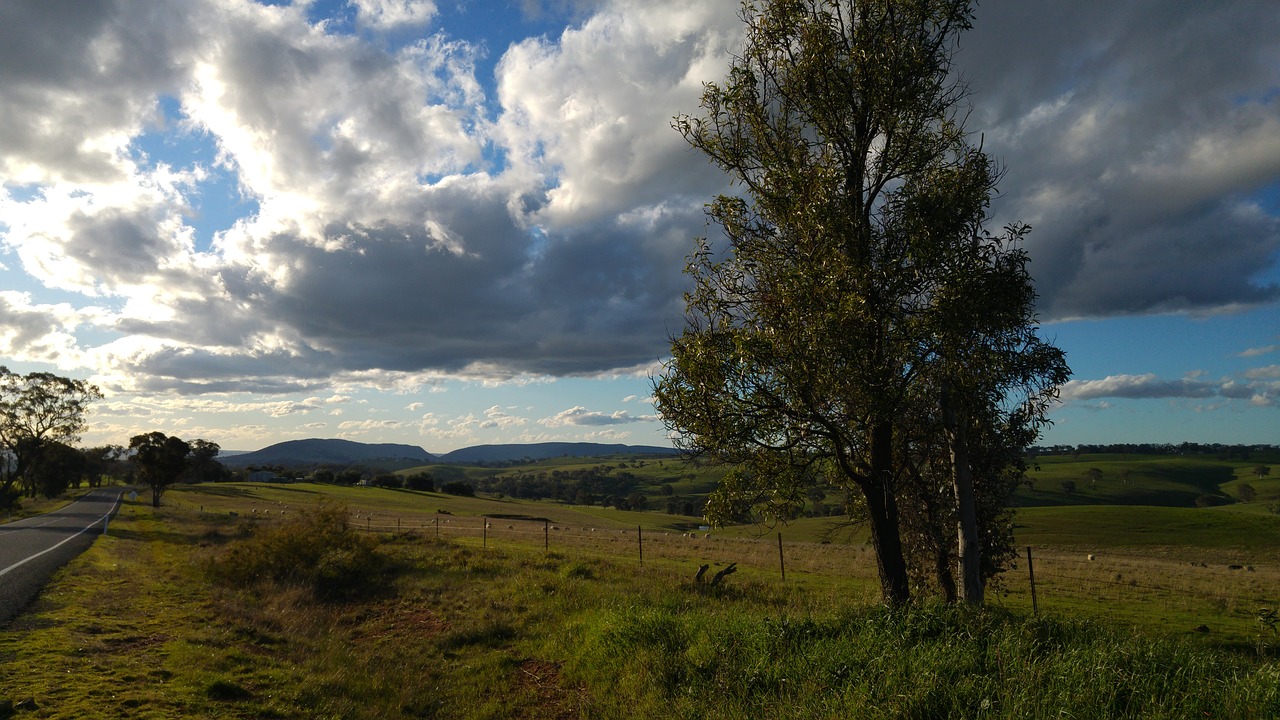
486	607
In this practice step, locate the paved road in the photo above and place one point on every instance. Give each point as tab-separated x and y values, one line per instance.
33	548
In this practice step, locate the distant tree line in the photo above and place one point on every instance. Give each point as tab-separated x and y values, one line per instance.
1225	452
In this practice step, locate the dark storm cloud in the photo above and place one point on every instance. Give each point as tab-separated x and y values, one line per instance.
1139	139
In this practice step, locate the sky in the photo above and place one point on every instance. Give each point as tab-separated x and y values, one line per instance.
456	222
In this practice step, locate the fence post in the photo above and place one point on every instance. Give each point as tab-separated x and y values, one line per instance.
397	524
546	536
437	527
1031	571
781	565
485	530
640	544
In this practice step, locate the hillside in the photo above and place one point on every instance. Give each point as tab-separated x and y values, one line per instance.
316	451
544	451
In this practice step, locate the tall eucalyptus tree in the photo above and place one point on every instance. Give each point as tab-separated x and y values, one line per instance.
840	305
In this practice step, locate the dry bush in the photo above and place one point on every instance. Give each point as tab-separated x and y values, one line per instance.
316	549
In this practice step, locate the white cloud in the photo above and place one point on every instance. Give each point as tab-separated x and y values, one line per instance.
580	416
1149	386
404	224
497	417
389	14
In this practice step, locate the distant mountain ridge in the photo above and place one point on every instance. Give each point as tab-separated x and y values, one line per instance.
546	450
318	451
332	451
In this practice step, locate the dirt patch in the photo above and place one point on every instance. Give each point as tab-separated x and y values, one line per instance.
547	693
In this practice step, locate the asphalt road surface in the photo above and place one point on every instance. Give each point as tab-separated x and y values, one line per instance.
33	548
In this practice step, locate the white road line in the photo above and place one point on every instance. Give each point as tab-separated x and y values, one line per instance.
29	558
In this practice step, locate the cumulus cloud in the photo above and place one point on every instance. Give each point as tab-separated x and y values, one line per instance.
405	219
498	417
388	14
1258	389
581	416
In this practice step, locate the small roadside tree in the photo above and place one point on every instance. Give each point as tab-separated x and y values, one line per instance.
57	467
37	409
160	460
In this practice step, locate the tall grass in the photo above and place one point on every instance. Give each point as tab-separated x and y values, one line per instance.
925	662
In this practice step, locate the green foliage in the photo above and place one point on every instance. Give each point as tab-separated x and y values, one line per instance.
160	460
387	480
37	409
316	550
420	481
458	487
56	468
857	327
1246	492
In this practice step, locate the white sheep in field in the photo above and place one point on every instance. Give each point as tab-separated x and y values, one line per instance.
1090	557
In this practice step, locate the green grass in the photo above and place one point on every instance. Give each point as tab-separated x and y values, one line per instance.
139	628
1238	529
1141	614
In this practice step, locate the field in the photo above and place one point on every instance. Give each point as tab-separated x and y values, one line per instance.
494	607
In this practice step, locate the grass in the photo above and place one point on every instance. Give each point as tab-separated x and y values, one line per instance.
140	627
486	623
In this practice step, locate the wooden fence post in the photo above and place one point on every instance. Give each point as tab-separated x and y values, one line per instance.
640	543
546	536
781	565
1031	571
484	531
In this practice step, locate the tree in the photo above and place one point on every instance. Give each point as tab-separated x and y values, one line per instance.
1094	474
858	325
1261	471
104	461
57	467
37	409
202	463
160	460
421	481
1246	492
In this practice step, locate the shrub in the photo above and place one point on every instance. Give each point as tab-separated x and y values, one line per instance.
1204	501
1246	492
317	550
458	487
420	481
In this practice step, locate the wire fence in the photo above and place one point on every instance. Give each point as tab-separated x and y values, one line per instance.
1045	580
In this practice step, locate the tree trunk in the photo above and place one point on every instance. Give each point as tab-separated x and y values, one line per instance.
970	548
882	505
